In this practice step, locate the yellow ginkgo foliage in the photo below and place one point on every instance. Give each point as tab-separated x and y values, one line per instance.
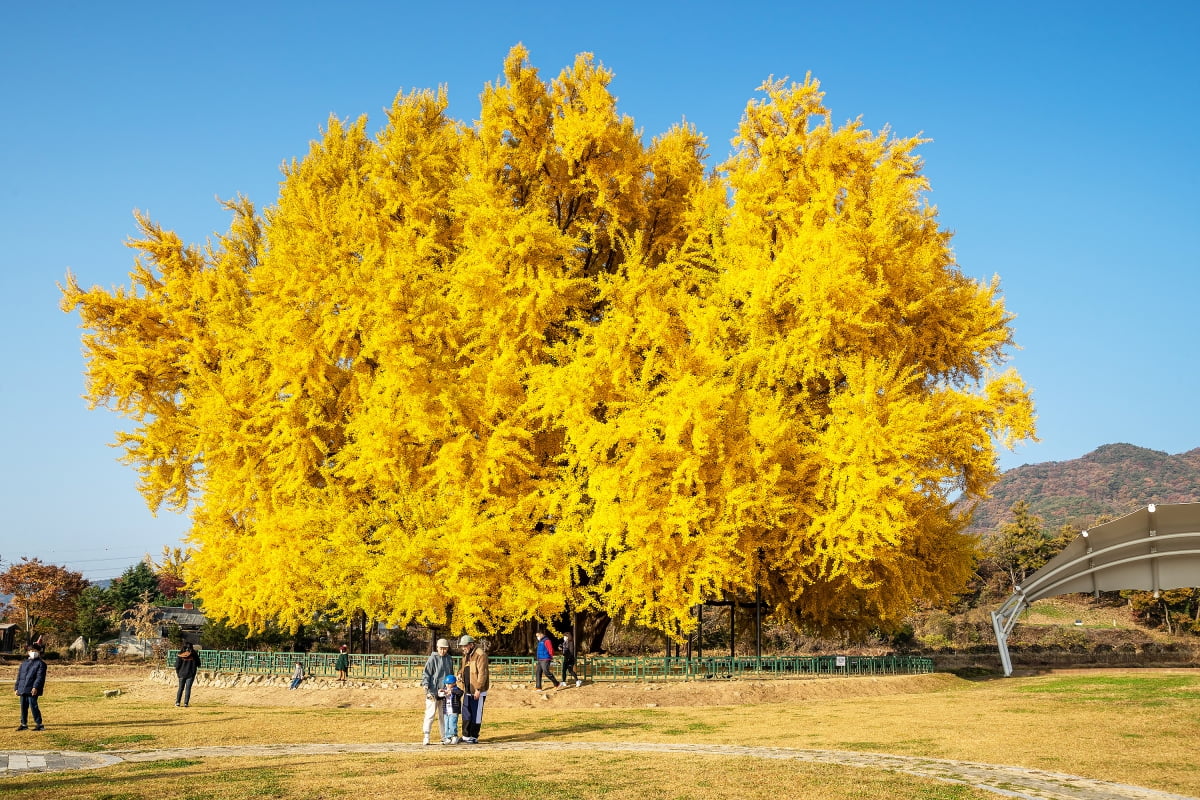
471	375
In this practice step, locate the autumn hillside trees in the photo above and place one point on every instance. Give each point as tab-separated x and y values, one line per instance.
44	595
470	375
59	604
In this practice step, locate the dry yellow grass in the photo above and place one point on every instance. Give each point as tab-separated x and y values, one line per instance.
1135	728
1064	611
481	775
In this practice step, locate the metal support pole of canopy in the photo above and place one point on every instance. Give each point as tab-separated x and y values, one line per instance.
1003	620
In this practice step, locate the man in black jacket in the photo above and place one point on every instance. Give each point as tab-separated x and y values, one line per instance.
186	664
31	681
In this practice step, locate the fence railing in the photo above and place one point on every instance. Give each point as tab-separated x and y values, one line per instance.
590	668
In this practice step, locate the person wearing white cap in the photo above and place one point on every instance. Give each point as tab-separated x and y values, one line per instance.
437	667
474	679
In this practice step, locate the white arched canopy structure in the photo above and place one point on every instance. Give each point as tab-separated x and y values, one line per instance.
1152	549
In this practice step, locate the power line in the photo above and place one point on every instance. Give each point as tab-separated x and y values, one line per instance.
94	560
130	559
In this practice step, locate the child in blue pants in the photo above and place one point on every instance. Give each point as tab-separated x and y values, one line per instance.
452	697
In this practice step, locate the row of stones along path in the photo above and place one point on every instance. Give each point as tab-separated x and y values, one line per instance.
1002	780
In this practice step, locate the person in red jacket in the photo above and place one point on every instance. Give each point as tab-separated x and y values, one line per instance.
544	655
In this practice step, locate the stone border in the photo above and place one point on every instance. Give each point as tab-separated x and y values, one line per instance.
234	680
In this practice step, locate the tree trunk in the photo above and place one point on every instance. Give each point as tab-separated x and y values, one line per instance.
516	642
592	627
299	644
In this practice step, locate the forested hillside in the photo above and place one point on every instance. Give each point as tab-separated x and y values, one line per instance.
1111	481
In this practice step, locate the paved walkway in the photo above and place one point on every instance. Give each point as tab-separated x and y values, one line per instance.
1034	784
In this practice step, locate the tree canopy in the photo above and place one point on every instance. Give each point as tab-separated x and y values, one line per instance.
470	375
1023	546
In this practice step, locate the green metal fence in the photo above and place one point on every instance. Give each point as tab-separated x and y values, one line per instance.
590	668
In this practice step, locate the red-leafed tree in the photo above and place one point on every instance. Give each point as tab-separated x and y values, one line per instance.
43	594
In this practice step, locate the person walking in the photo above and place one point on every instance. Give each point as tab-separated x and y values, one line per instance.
543	656
342	665
433	679
30	685
475	680
186	664
568	654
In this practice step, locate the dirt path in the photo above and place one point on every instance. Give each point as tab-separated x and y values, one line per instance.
1002	780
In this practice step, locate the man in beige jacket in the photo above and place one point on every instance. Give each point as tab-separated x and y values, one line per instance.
473	676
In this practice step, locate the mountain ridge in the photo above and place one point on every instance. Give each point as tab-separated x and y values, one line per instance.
1111	481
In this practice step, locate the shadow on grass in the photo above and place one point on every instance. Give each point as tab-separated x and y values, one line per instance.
142	723
977	674
256	780
560	730
65	742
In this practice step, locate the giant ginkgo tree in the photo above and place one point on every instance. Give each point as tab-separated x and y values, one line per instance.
472	375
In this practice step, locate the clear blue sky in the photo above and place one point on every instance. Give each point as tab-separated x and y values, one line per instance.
1064	157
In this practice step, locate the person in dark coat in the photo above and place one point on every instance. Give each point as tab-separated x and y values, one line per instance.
31	682
568	656
186	664
342	665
